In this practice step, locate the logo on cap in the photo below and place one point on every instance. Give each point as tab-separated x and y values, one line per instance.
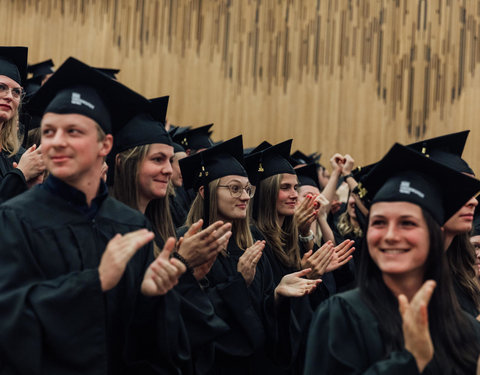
405	188
77	100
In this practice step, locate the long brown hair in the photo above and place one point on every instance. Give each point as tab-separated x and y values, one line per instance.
9	135
283	240
240	228
126	190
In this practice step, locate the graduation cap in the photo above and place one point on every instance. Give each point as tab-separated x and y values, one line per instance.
13	63
307	175
112	73
299	158
31	86
407	176
218	161
77	88
41	69
142	129
261	147
195	139
446	149
177	147
159	107
271	161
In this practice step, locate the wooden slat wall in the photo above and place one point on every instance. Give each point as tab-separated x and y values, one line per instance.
336	75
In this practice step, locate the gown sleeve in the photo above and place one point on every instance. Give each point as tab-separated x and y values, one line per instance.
344	339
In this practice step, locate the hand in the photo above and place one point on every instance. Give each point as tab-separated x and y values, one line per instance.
247	263
294	285
342	254
322	204
305	215
202	270
120	249
198	247
337	162
348	165
31	163
416	332
164	272
318	261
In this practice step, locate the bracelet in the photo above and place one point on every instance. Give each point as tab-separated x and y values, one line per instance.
347	176
183	260
306	238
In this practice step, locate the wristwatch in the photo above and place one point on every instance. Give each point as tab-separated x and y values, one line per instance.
306	238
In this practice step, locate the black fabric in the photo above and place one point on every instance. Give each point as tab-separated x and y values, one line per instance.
465	301
12	180
13	63
178	206
344	339
55	317
41	69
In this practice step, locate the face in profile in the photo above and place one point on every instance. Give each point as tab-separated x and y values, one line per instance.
177	179
155	171
233	196
475	241
398	238
462	220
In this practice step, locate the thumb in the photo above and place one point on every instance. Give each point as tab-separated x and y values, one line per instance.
301	273
402	304
15	164
167	249
307	254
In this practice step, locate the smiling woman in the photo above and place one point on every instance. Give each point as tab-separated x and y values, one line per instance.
17	172
404	316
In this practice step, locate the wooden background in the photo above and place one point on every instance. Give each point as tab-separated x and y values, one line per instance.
336	75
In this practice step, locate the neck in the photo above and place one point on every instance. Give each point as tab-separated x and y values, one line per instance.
447	239
88	184
142	204
404	284
280	220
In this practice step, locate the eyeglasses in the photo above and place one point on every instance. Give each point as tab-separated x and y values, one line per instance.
17	92
236	190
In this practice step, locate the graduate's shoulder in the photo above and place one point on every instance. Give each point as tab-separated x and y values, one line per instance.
119	212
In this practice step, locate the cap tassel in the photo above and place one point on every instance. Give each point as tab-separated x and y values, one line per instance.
260	168
424	151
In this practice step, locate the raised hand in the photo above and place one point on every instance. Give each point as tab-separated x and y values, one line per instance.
318	261
305	214
416	332
164	272
294	285
342	254
322	204
120	249
31	163
337	162
247	263
199	246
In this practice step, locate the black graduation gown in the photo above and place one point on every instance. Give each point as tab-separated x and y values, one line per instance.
12	180
302	310
465	301
178	207
55	317
344	339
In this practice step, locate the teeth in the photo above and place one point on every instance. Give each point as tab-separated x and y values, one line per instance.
394	251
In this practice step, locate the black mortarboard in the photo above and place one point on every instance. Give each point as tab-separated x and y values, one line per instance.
307	175
159	107
269	162
360	172
195	139
31	86
446	149
77	88
41	69
112	73
216	162
13	63
407	176
298	158
177	147
262	146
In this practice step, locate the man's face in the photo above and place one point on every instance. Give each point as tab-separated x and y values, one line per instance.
70	147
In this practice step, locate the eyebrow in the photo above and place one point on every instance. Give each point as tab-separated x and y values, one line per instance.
234	180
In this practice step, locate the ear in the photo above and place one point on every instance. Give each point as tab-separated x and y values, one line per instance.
201	191
106	145
117	160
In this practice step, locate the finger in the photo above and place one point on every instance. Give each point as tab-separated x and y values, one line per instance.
194	228
15	164
425	293
307	255
343	246
301	273
181	268
344	257
207	232
167	249
129	243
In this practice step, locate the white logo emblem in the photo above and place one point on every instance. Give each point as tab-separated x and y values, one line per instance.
77	100
406	189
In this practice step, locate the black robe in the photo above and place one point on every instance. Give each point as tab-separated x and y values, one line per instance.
55	317
12	180
344	338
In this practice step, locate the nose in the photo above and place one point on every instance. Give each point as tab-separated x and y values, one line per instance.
293	193
473	202
58	139
391	236
244	196
167	169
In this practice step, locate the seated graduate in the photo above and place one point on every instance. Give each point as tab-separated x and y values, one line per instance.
404	317
447	150
19	169
240	281
142	175
79	287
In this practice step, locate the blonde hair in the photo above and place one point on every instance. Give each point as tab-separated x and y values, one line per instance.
9	135
345	226
126	190
240	227
283	240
